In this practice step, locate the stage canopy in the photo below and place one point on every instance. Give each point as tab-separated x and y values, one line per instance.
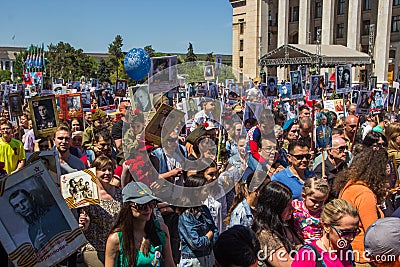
306	54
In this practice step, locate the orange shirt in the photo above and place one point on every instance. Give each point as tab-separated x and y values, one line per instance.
364	200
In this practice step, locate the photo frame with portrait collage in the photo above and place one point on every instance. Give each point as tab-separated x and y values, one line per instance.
46	238
343	79
44	115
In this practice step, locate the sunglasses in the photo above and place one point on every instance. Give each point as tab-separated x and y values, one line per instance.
342	148
346	233
141	207
303	156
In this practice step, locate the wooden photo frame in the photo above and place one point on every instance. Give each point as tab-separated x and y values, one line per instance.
120	88
44	231
15	103
44	115
74	105
163	123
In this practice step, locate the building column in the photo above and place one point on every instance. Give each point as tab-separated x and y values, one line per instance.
263	35
304	21
283	33
4	65
12	70
328	9
382	40
353	32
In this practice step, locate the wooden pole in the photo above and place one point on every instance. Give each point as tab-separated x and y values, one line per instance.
323	162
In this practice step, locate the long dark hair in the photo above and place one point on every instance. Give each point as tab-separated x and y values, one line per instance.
125	224
368	166
272	201
195	180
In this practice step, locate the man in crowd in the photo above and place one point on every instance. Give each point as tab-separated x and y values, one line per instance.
117	128
12	151
68	162
294	176
306	127
335	162
304	111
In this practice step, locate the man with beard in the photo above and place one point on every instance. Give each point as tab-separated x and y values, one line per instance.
12	151
68	163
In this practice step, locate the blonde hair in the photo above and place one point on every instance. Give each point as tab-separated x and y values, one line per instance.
392	132
335	210
313	184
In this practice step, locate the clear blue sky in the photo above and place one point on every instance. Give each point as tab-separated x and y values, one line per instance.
167	25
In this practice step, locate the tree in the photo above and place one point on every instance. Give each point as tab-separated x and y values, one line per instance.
115	51
5	75
210	57
103	72
190	55
149	50
19	65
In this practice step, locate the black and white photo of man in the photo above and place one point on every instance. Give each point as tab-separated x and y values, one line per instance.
141	98
296	83
271	90
209	72
315	87
74	103
354	96
44	114
364	102
343	78
86	99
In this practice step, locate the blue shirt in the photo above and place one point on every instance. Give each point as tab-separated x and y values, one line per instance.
241	215
287	178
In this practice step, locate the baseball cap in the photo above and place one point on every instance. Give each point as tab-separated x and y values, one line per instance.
137	192
289	124
383	237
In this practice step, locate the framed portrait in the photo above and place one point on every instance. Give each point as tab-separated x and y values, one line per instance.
94	83
343	79
385	88
140	97
316	88
270	90
355	93
364	103
285	91
339	108
304	72
120	88
37	227
104	98
163	74
15	103
228	82
379	100
45	115
209	72
165	115
74	105
79	189
50	160
86	98
397	100
296	84
391	98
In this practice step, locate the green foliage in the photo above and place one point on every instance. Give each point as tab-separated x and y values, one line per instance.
150	50
190	55
64	61
210	57
116	54
19	64
103	72
195	71
5	75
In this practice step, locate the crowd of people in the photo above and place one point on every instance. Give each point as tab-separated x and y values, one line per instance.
299	194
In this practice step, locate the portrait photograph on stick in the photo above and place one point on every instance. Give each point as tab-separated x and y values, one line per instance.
315	87
285	91
343	79
45	115
209	72
296	84
364	103
270	90
140	98
163	74
15	102
74	105
36	226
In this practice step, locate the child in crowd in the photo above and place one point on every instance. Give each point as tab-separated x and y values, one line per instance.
307	212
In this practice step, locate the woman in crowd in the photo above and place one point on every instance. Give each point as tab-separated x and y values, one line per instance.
97	220
273	225
364	185
197	231
340	226
234	134
75	125
136	227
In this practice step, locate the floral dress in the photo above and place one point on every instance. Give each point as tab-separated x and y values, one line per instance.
306	225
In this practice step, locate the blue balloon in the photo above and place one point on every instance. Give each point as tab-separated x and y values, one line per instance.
137	64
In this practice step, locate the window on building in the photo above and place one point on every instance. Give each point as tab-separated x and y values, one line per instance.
240	62
395	23
295	14
396	2
365	29
392	54
316	33
241	26
340	9
241	45
367	4
340	30
318	9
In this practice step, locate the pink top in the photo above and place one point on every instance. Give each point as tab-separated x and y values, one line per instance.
305	258
307	225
